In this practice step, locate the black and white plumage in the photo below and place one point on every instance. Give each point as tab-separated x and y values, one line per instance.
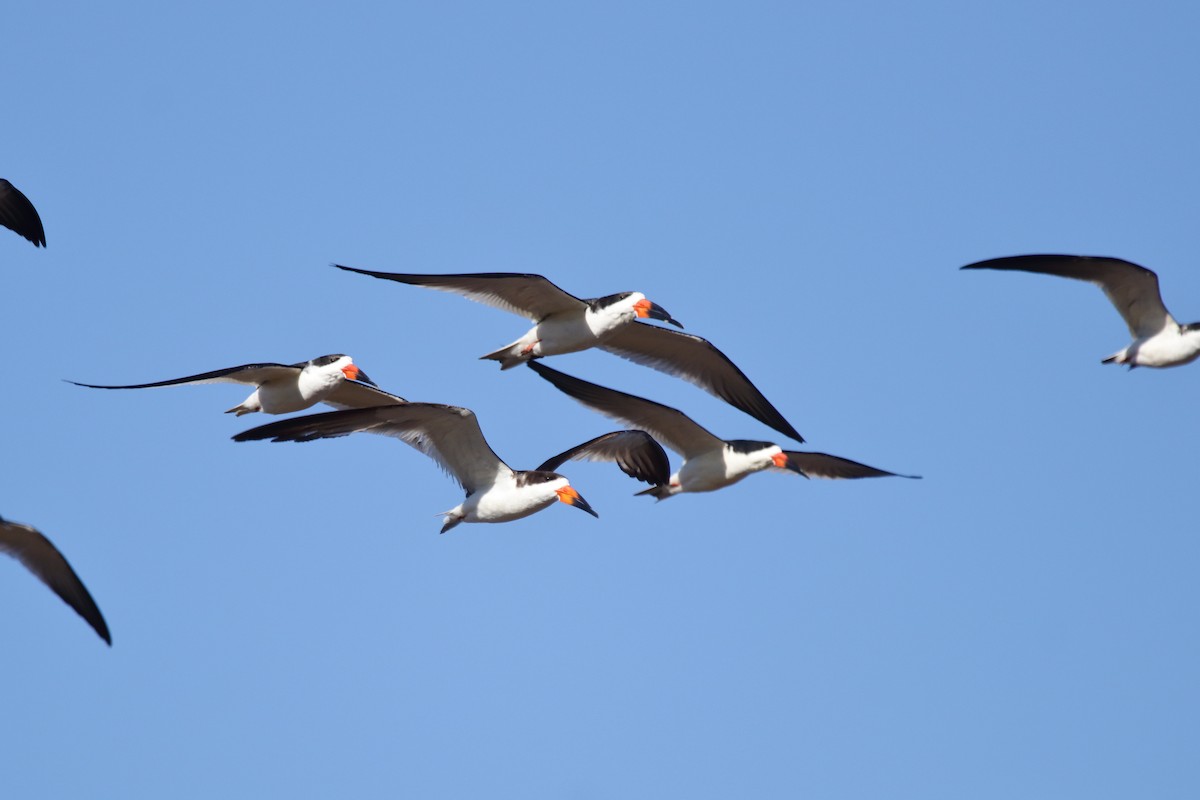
283	388
564	323
39	555
18	214
709	462
1158	340
451	436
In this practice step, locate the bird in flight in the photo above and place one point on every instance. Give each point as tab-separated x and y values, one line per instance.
709	462
283	388
564	323
1158	340
451	436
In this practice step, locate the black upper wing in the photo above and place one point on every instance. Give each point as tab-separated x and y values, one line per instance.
252	374
635	452
18	214
1131	288
44	560
697	360
823	465
530	296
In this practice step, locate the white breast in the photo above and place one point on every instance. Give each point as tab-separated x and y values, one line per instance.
311	386
505	501
574	331
717	469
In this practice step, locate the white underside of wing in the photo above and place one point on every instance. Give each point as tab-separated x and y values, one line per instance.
1143	311
530	296
1131	288
355	394
450	435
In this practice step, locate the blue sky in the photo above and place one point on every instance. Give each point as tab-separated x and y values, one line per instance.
798	184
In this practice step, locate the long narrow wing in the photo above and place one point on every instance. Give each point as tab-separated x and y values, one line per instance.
694	359
450	435
635	452
43	559
252	374
356	394
669	425
530	296
823	465
18	214
1131	288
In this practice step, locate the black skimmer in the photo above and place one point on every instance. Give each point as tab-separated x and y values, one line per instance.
43	559
283	388
1158	340
709	462
18	214
450	435
564	323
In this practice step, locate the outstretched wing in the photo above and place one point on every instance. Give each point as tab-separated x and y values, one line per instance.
694	359
635	452
43	559
18	214
252	374
450	435
356	394
669	425
530	296
1131	288
823	465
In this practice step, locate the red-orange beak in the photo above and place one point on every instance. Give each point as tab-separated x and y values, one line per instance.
647	310
782	461
571	497
353	373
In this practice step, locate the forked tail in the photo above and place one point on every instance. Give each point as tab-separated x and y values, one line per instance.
1121	357
509	356
660	492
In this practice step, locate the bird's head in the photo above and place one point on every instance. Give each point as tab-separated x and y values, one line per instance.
644	309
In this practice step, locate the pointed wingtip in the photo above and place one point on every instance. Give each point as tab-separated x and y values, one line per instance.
786	429
90	613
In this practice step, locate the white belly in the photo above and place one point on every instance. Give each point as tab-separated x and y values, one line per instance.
504	505
1168	349
570	333
714	470
282	397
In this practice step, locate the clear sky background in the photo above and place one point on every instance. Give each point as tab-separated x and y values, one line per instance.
797	183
